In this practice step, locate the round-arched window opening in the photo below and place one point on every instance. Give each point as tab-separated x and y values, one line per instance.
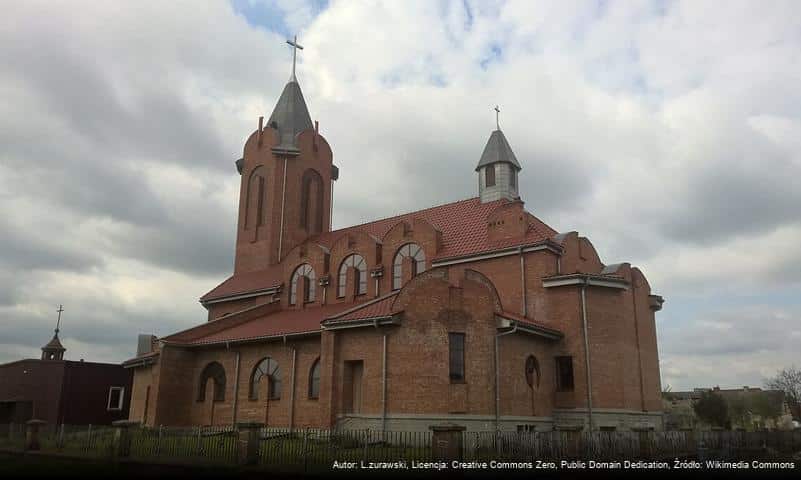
532	372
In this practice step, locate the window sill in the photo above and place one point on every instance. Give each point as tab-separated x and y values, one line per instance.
458	382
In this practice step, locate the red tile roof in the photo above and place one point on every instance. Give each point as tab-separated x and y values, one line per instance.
380	307
463	227
282	322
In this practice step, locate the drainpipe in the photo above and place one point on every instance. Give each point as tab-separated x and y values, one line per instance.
292	391
236	383
523	282
498	376
384	388
586	351
283	201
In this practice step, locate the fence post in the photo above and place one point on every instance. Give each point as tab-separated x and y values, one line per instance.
447	443
60	441
32	434
158	440
366	442
122	437
249	442
305	451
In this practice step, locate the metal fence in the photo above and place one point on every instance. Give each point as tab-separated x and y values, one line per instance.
204	444
317	449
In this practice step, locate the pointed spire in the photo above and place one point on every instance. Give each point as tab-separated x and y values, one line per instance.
290	116
498	150
54	350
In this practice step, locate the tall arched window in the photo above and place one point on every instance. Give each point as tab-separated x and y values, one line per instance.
314	380
413	251
311	202
532	372
304	275
256	205
268	368
216	373
358	266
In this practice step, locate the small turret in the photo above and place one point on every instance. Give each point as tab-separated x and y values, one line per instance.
497	169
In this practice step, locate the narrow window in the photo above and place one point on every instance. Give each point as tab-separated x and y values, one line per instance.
512	176
489	180
532	372
260	203
314	380
564	374
456	354
115	398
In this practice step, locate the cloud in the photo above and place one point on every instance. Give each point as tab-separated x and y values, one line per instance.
667	132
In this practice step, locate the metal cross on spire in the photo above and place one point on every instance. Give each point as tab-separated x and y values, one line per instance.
497	117
58	322
295	47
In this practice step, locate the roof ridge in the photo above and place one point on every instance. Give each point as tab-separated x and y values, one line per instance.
402	215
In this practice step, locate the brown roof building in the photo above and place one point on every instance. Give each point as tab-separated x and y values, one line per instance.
474	312
63	391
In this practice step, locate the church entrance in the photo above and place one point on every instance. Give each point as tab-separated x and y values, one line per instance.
15	412
352	394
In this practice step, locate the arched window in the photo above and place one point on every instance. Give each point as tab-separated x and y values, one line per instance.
356	264
216	373
305	273
311	202
269	368
255	206
314	380
532	372
489	176
413	251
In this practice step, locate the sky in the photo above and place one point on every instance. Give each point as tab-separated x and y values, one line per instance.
668	133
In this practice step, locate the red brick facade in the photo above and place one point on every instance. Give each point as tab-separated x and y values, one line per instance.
490	271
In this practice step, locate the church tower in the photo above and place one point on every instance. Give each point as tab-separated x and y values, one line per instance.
497	169
54	350
287	182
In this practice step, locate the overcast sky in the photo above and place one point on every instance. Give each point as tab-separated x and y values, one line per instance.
669	133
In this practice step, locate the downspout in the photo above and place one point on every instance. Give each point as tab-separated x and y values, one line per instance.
384	388
236	383
283	201
331	207
586	351
292	392
498	376
523	282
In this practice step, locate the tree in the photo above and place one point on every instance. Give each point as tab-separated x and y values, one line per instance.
787	380
712	409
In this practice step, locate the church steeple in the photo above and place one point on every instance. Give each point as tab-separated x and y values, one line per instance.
497	169
290	116
54	350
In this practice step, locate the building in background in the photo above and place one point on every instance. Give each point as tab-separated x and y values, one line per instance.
474	313
748	408
63	391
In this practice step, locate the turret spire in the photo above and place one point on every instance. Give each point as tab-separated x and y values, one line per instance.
54	350
497	169
295	47
290	116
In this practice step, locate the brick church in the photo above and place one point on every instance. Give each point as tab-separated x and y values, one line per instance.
474	313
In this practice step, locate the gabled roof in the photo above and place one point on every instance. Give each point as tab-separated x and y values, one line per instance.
290	116
498	150
462	224
277	324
